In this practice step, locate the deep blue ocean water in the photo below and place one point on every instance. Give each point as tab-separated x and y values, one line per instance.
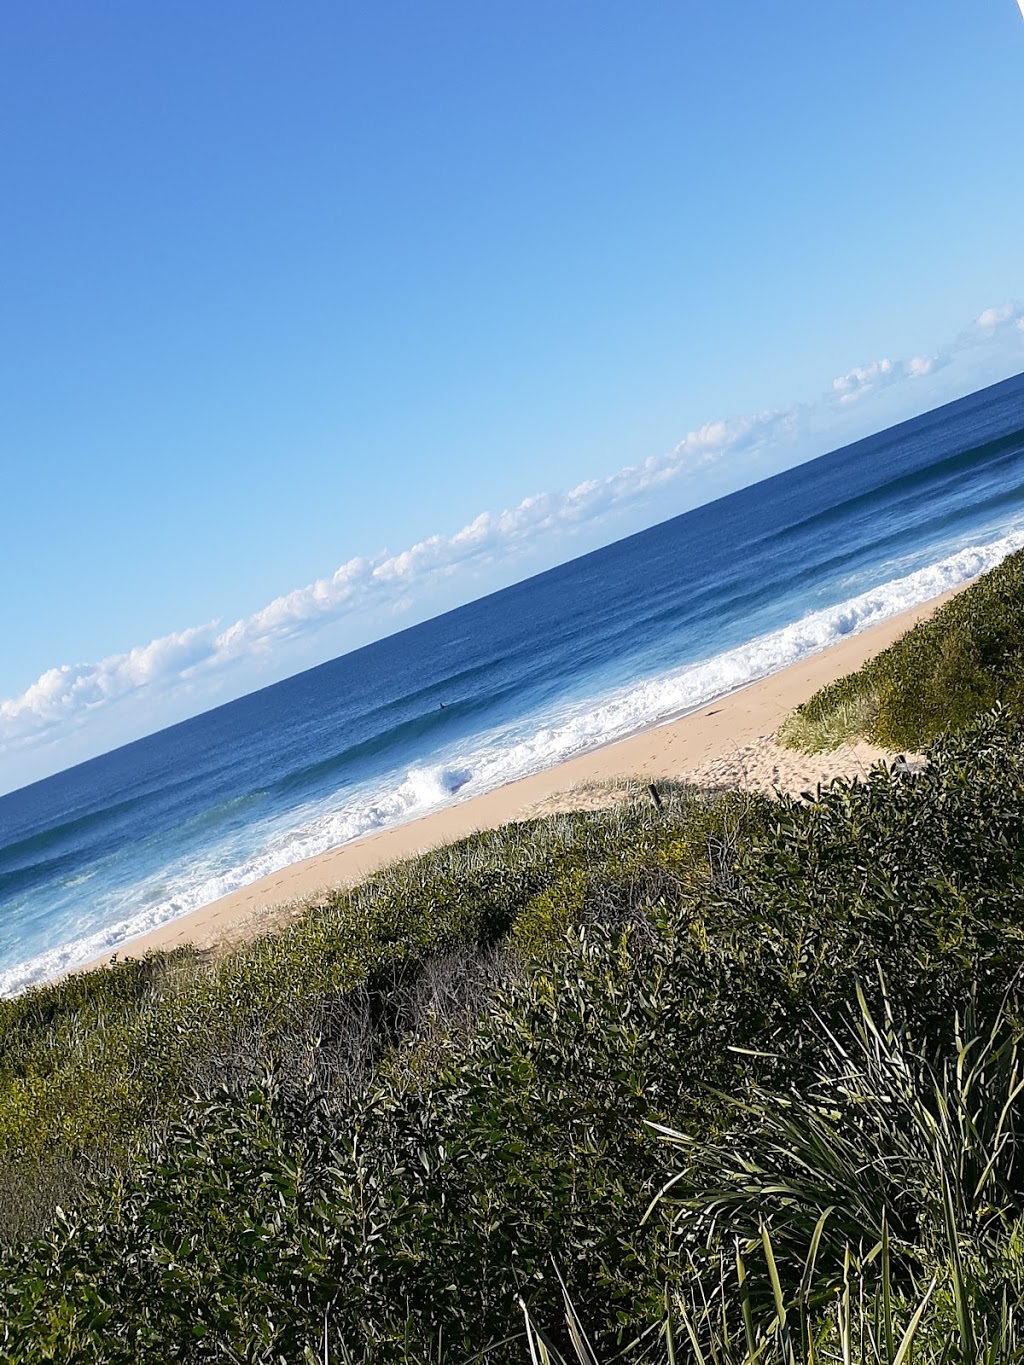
626	637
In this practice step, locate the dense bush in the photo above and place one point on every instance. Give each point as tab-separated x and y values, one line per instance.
625	969
944	672
92	1065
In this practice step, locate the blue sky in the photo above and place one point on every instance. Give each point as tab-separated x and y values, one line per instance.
296	294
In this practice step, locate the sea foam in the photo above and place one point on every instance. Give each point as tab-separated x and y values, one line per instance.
531	745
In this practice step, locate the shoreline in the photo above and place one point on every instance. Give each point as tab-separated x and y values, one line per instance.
726	742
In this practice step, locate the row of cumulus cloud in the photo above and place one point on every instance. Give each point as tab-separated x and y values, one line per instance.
992	324
383	584
68	693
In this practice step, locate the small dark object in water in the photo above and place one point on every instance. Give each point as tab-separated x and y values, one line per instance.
655	797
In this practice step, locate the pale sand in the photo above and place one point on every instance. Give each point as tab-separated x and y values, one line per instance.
727	743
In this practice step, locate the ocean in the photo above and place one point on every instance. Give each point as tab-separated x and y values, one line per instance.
626	637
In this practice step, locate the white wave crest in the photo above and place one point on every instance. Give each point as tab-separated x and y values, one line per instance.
518	752
658	700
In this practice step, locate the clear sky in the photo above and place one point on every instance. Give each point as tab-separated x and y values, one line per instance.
319	318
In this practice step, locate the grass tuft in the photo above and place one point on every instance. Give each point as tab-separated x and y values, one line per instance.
945	672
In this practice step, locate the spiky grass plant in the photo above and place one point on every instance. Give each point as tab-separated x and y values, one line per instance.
867	1321
885	1137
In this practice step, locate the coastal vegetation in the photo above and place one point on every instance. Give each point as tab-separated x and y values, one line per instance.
946	671
716	1079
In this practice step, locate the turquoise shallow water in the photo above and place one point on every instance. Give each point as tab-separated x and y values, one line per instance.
595	649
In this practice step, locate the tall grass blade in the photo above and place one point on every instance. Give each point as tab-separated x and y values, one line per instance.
886	1289
773	1274
744	1291
908	1336
691	1332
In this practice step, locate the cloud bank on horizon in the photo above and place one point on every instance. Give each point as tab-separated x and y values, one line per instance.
187	668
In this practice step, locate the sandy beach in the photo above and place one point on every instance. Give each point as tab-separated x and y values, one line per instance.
727	743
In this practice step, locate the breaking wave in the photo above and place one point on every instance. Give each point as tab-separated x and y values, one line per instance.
529	745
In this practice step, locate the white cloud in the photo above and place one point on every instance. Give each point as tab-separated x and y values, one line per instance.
388	584
62	693
862	379
990	329
194	661
877	374
992	318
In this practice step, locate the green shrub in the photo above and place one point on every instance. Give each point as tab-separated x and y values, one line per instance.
424	1119
90	1066
943	673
